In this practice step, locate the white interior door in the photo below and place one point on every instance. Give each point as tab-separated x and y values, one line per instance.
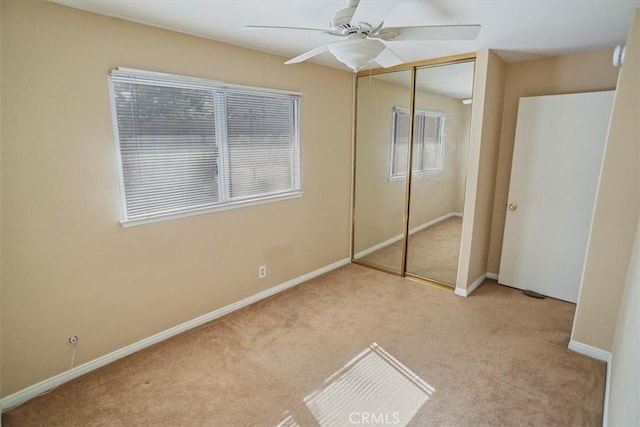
557	160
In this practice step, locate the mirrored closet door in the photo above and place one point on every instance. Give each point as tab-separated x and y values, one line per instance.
442	117
380	181
410	223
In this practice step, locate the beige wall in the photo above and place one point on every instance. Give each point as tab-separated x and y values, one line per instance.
616	212
68	267
624	393
578	72
379	207
486	113
463	156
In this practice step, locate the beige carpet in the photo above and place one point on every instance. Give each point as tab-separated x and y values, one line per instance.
497	358
432	253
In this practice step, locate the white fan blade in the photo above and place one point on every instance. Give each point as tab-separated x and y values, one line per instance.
309	54
429	32
373	12
273	27
388	58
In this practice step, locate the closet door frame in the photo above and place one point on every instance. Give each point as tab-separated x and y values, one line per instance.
413	67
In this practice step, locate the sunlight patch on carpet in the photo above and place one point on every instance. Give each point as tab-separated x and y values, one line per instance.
374	388
288	421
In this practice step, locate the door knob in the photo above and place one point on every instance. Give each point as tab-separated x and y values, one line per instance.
513	206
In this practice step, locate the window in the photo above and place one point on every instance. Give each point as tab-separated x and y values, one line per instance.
189	145
428	150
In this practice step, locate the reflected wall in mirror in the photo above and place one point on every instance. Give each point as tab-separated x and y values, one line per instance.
379	190
439	170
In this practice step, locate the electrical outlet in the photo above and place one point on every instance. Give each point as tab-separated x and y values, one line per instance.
73	340
262	272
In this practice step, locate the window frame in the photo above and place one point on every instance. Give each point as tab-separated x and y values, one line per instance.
225	202
440	149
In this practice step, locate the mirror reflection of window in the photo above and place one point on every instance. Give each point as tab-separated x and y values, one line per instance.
428	147
428	142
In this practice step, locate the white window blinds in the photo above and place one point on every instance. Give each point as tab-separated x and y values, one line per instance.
428	144
187	145
429	141
399	142
261	135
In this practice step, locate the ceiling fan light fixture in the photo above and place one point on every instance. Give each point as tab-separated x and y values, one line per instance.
356	53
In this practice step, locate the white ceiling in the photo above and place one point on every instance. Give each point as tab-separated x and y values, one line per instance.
517	29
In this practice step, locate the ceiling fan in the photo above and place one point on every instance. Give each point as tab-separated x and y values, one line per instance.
363	42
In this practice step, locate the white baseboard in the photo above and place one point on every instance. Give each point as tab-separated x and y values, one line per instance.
460	292
434	222
32	391
590	351
397	238
378	246
492	276
466	292
607	390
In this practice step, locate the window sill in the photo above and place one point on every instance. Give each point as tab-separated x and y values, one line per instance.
417	175
225	207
